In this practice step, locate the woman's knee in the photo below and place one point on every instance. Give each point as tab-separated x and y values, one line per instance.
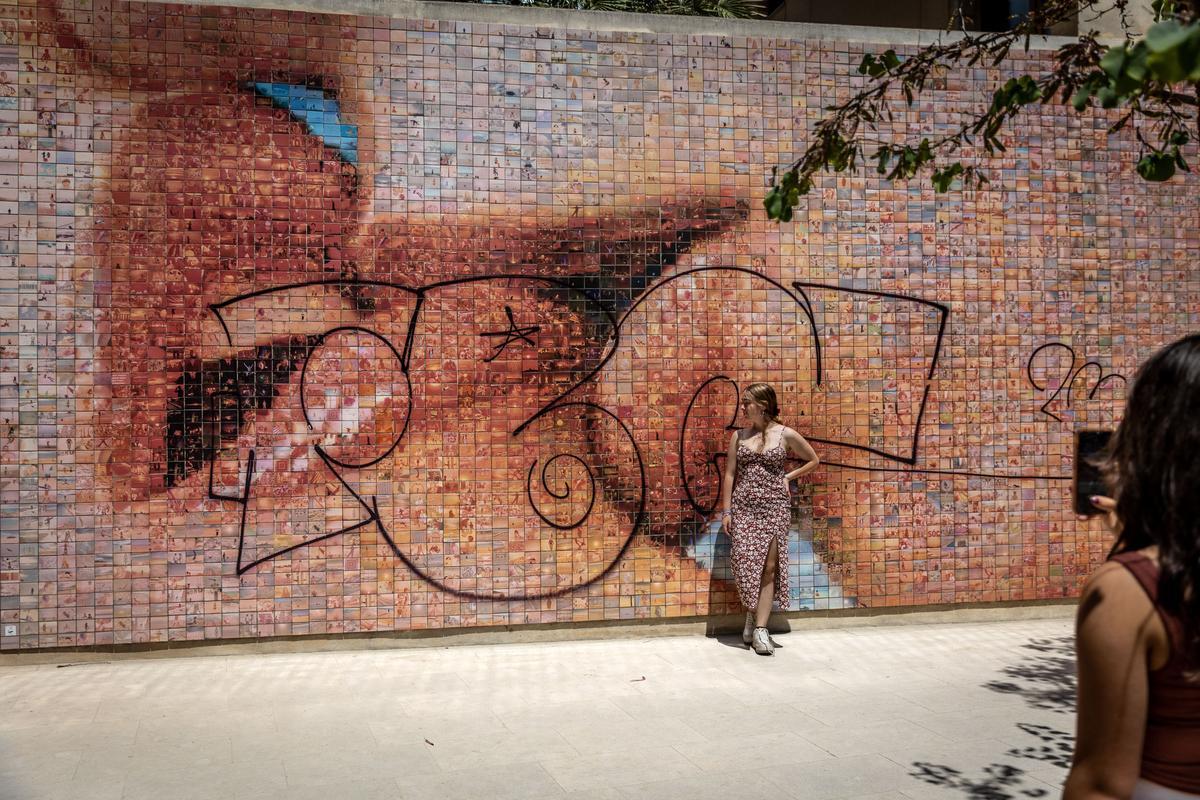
771	564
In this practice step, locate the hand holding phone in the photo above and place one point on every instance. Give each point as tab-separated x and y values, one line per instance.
1089	480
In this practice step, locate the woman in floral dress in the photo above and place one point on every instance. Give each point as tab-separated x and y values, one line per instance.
757	508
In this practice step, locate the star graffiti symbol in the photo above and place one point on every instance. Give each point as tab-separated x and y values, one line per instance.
515	333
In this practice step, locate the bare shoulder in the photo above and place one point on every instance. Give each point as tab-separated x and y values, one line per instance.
1114	608
1112	594
798	444
1112	579
1111	576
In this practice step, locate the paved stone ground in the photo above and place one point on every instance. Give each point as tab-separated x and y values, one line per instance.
980	710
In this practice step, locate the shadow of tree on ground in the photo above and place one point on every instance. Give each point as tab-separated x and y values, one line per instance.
1056	750
1045	681
998	782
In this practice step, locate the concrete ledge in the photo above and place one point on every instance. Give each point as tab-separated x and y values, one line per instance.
573	631
534	17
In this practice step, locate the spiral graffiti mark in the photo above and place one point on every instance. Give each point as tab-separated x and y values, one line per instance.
407	408
635	512
558	502
565	494
713	463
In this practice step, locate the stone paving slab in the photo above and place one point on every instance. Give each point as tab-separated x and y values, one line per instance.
892	713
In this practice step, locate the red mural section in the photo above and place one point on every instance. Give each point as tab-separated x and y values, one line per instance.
325	324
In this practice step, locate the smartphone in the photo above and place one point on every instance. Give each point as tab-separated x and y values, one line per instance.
1089	445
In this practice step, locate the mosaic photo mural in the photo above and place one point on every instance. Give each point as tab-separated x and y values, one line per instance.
316	324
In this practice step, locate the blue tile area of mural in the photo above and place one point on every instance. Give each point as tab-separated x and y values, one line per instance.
318	112
812	588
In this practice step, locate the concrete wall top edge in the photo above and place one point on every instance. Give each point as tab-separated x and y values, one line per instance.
609	21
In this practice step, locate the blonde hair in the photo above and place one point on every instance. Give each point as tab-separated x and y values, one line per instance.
764	395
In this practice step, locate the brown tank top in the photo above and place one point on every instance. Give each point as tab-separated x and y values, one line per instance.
1171	749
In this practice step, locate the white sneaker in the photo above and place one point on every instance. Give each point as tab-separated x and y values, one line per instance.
762	642
748	628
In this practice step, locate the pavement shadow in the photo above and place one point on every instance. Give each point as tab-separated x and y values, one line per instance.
730	640
998	781
1045	680
723	635
1056	748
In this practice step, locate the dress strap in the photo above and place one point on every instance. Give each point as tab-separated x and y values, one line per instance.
1145	571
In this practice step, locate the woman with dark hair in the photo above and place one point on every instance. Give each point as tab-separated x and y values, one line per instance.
1138	627
757	508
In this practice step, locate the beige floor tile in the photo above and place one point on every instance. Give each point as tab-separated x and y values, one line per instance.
600	711
191	782
840	777
748	783
339	764
746	719
836	715
514	781
589	736
75	789
402	731
615	770
499	749
867	738
739	752
348	789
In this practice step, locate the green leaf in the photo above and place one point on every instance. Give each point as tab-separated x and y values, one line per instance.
1163	8
869	66
1126	69
1135	67
773	202
1156	167
877	66
786	194
1026	91
943	178
737	9
1113	62
1167	35
1174	51
883	156
1082	98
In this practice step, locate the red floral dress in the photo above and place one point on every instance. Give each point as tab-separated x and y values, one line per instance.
761	512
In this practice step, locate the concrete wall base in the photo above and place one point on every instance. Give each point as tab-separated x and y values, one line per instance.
727	624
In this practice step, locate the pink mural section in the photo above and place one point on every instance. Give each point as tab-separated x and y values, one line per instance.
318	324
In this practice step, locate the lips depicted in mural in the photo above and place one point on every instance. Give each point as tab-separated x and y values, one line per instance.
288	367
407	324
299	368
